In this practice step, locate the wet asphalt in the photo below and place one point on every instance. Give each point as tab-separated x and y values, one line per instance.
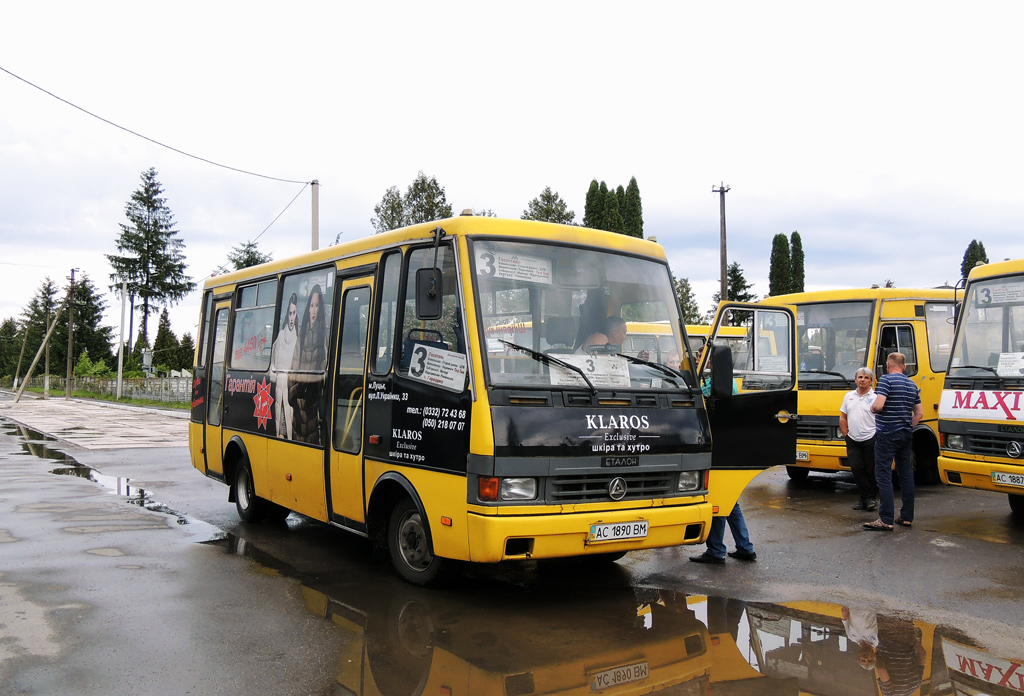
124	571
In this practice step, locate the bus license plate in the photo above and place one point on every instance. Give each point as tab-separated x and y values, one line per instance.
802	456
1008	479
636	529
619	675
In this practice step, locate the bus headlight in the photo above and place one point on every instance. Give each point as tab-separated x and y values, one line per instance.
955	442
689	481
518	488
839	434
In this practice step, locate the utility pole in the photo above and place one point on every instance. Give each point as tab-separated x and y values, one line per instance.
721	191
316	214
120	342
69	375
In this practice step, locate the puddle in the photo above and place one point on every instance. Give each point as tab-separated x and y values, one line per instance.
576	638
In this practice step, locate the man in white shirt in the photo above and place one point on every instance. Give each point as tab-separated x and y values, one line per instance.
857	422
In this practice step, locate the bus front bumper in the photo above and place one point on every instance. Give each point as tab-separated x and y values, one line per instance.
978	473
494	538
814	455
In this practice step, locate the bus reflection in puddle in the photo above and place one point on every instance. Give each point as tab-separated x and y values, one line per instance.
578	638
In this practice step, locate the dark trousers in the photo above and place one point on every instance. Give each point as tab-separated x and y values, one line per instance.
889	447
860	456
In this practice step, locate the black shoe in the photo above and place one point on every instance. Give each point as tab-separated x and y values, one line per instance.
861	505
706	558
871	506
740	555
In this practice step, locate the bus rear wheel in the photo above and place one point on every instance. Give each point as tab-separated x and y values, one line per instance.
409	546
1017	505
250	507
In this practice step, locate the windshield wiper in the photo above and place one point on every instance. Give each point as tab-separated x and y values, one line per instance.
548	360
661	368
826	372
978	367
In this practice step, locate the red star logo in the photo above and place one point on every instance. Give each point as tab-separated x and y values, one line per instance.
263	401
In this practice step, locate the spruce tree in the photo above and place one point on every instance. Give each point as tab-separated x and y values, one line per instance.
796	265
247	255
975	253
10	348
549	207
779	268
165	345
186	352
633	212
153	261
593	210
688	306
36	318
89	334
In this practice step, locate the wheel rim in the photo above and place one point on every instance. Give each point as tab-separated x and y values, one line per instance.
242	493
412	542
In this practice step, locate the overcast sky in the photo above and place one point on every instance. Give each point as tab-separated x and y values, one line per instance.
887	134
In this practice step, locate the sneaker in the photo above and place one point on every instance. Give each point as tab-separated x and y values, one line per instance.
706	558
741	555
861	505
871	506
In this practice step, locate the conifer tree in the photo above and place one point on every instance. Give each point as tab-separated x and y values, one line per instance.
549	207
796	266
612	216
89	334
36	318
779	268
186	352
687	301
632	211
593	210
245	256
975	253
165	345
153	261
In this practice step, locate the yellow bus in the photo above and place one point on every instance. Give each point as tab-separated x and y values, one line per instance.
839	331
981	415
356	385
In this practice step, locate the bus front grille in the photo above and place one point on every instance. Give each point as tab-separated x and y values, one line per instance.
812	431
581	488
990	444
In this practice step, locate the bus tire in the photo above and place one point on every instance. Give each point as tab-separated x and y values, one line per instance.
924	460
409	546
1017	505
276	513
250	507
797	473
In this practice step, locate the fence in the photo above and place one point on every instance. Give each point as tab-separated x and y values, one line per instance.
155	389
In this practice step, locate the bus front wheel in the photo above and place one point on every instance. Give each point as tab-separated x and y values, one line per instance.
1017	505
409	546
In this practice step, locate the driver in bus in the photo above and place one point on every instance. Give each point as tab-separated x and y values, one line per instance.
611	336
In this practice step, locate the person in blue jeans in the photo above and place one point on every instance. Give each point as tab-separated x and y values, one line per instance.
715	552
897	410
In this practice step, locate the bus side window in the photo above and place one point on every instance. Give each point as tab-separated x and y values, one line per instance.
446	333
348	389
387	314
896	339
220	339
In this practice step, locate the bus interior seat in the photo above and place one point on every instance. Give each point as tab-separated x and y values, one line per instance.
813	361
560	333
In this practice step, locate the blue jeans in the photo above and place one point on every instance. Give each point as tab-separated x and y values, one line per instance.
716	537
890	446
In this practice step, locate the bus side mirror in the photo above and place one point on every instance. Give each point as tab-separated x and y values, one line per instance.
429	291
721	371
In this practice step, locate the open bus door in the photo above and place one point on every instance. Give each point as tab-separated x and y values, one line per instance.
217	343
750	391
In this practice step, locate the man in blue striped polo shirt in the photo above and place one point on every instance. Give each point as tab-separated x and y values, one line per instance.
897	410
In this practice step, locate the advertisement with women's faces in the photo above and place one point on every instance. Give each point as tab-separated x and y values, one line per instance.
283	394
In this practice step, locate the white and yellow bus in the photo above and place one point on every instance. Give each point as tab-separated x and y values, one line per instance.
839	331
981	416
357	385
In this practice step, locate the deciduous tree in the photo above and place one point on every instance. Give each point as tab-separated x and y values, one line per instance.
389	213
424	201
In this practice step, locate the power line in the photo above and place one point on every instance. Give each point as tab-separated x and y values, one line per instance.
155	142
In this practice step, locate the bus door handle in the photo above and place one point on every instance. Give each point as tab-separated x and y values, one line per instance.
786	416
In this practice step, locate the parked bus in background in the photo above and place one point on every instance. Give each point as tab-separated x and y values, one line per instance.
981	416
358	385
839	331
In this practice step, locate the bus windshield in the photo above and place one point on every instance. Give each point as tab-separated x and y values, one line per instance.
832	339
574	295
991	336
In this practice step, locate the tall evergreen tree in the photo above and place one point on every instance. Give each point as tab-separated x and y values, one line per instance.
165	345
796	265
390	212
153	261
593	210
549	207
687	300
779	269
738	290
424	201
620	197
632	211
89	335
10	348
975	252
612	217
186	352
36	318
245	256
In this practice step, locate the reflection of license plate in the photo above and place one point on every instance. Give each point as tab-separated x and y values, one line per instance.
619	675
620	461
802	456
636	529
1007	479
